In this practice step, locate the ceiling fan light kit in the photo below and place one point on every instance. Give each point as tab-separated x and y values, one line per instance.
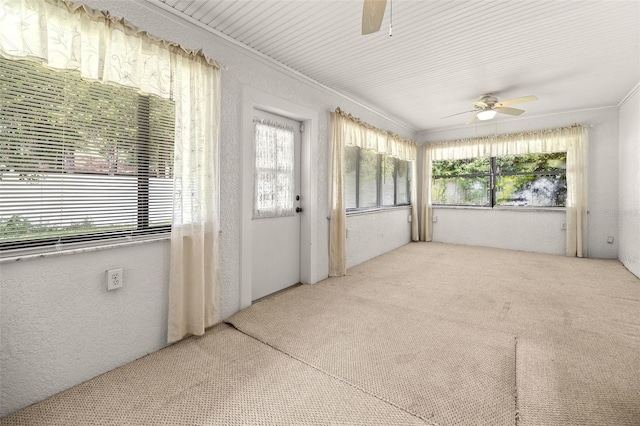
487	114
488	106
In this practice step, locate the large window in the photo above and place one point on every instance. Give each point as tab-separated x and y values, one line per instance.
80	160
375	180
531	180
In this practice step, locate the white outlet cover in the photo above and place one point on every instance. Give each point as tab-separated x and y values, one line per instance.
114	279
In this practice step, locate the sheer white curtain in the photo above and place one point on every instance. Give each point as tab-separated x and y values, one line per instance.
572	140
340	128
273	177
577	148
406	149
426	208
194	284
68	36
350	131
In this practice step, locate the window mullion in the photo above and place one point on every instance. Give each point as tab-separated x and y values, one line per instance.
143	148
410	166
379	180
396	165
492	181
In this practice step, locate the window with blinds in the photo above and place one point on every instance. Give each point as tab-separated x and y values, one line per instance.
79	160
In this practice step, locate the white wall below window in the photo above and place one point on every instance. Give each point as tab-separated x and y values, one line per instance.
61	327
536	231
371	234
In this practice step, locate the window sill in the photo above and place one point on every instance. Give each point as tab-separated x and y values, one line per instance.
375	210
503	208
76	248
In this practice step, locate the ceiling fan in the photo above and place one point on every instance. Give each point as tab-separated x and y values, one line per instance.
488	106
372	14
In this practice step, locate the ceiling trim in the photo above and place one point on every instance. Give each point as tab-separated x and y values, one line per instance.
629	95
272	62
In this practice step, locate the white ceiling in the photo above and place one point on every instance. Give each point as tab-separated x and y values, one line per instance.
444	54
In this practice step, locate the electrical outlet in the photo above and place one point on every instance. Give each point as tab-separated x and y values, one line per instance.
563	226
409	218
114	279
435	219
610	239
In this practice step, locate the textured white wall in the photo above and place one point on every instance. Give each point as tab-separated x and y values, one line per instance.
372	234
540	231
628	211
59	326
536	231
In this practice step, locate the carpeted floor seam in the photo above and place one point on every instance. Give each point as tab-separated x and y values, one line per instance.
426	364
340	379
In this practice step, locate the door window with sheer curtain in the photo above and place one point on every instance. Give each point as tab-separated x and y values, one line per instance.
274	183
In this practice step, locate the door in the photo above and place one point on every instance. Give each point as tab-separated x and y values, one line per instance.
276	204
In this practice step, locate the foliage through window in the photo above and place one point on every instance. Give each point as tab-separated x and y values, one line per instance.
375	180
80	160
531	180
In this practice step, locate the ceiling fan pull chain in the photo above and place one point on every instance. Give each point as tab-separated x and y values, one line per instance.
390	18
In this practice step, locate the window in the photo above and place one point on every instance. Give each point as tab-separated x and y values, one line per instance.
461	182
274	170
80	160
531	180
375	180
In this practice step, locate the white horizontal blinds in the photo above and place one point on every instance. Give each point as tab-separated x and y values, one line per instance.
274	183
80	159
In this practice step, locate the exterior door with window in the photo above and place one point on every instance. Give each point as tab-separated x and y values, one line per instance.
276	205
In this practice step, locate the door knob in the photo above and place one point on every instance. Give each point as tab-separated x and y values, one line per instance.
298	209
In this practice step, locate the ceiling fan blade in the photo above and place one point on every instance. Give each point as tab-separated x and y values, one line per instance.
372	14
517	101
510	111
473	119
458	113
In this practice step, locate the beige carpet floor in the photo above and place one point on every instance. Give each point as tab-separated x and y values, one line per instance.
577	321
223	378
431	334
443	372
